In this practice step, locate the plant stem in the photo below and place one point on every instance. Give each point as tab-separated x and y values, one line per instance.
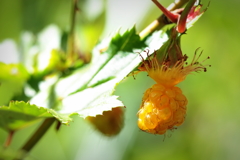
38	134
9	139
166	12
58	125
183	18
71	36
160	21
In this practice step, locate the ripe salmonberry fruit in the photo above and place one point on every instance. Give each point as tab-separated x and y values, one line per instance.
164	105
109	123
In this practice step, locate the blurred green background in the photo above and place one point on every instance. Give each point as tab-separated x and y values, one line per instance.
211	130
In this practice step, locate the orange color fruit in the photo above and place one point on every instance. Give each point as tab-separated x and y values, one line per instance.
164	105
109	123
162	111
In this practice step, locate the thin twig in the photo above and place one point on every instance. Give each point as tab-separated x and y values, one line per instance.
172	17
160	21
9	139
71	36
38	134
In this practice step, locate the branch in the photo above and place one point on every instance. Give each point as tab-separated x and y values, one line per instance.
9	139
160	21
38	134
71	36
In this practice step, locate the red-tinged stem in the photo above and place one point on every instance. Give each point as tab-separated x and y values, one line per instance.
173	17
38	134
160	21
181	27
9	139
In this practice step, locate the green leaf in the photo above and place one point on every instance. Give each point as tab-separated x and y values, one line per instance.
110	66
20	114
88	91
80	79
12	79
126	42
92	101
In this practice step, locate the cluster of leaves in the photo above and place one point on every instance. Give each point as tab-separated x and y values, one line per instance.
44	87
45	84
50	83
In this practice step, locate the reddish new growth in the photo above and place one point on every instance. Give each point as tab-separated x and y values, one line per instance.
181	16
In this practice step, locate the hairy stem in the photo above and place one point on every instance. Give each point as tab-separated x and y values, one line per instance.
160	21
38	134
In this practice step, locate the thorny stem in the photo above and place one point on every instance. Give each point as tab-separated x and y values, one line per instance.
38	134
71	36
9	139
181	27
160	21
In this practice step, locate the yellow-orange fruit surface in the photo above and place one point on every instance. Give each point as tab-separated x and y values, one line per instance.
162	108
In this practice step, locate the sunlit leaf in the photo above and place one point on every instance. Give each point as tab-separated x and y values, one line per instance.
126	42
117	62
92	101
88	90
20	114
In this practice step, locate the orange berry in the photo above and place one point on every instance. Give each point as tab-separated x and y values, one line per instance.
155	95
165	114
179	117
170	92
148	107
141	124
164	105
151	120
181	99
164	100
147	93
173	105
161	130
177	89
159	87
109	123
162	111
141	113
